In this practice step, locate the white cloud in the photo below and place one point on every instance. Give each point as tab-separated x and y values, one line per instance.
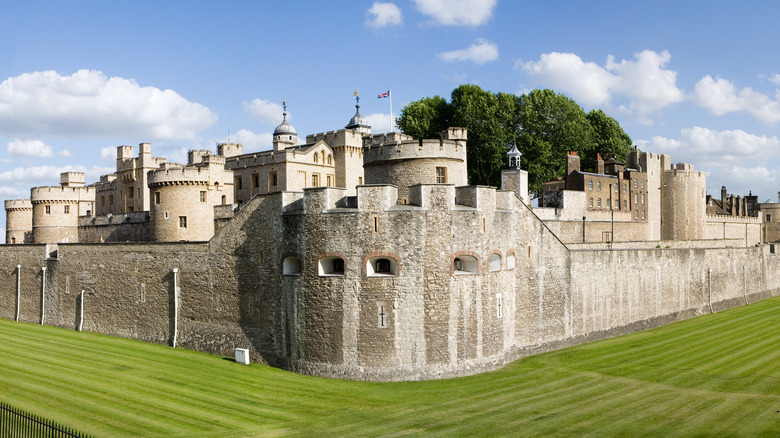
30	148
265	111
250	141
384	15
379	122
87	103
645	81
457	12
481	52
108	154
729	157
720	97
65	153
773	78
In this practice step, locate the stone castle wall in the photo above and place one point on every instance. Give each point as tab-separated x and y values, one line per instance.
746	228
127	227
526	291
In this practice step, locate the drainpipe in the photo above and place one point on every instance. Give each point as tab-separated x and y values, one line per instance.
175	305
709	272
744	282
583	229
18	290
81	310
43	293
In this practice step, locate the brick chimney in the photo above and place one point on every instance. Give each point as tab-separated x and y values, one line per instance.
599	164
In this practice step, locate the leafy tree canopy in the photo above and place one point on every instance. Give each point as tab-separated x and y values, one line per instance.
544	125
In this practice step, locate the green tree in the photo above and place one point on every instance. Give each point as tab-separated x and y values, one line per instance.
425	118
609	136
550	125
490	120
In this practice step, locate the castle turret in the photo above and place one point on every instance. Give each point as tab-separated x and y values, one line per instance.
183	198
284	134
400	160
514	178
18	221
683	206
358	123
55	210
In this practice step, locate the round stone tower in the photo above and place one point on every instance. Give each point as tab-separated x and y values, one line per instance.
683	203
18	221
55	212
400	160
183	199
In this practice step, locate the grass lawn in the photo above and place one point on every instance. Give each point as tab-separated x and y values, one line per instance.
713	375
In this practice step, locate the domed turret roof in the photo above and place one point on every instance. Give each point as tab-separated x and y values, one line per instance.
357	119
285	128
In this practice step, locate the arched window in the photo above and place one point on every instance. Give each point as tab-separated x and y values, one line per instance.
511	260
381	267
465	264
291	265
330	159
316	158
494	262
331	265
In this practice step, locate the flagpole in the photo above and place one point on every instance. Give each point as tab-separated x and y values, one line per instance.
390	95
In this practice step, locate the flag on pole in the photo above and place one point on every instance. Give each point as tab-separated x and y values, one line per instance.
383	95
356	92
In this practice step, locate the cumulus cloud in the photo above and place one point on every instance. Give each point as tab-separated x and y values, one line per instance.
720	97
108	154
30	148
265	111
457	12
87	103
734	158
250	141
644	81
384	15
65	153
481	52
47	175
379	122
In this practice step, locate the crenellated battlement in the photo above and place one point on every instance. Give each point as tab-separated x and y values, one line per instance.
61	194
18	204
394	146
341	137
734	219
198	174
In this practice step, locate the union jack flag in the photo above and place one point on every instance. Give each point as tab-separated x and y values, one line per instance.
383	95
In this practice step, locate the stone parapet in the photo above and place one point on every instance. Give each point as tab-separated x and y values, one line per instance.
61	194
18	204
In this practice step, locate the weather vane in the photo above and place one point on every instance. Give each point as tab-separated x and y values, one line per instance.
284	104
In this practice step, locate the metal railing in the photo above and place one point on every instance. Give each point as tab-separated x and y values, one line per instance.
15	423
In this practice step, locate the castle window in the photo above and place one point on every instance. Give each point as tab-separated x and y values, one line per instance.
323	157
441	175
291	265
271	180
166	215
636	198
239	183
375	224
203	196
598	186
598	202
330	181
182	221
130	193
224	200
157	198
590	185
616	188
642	184
381	267
643	198
634	183
316	158
255	180
617	204
643	214
590	202
382	314
768	217
625	204
499	307
636	214
89	212
66	209
624	187
511	261
330	159
465	264
330	266
48	209
111	199
102	200
494	262
315	179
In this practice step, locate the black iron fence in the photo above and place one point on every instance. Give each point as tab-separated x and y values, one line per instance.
15	423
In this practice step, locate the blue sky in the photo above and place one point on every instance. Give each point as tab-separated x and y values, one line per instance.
699	81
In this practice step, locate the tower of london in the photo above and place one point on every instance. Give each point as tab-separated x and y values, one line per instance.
368	256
